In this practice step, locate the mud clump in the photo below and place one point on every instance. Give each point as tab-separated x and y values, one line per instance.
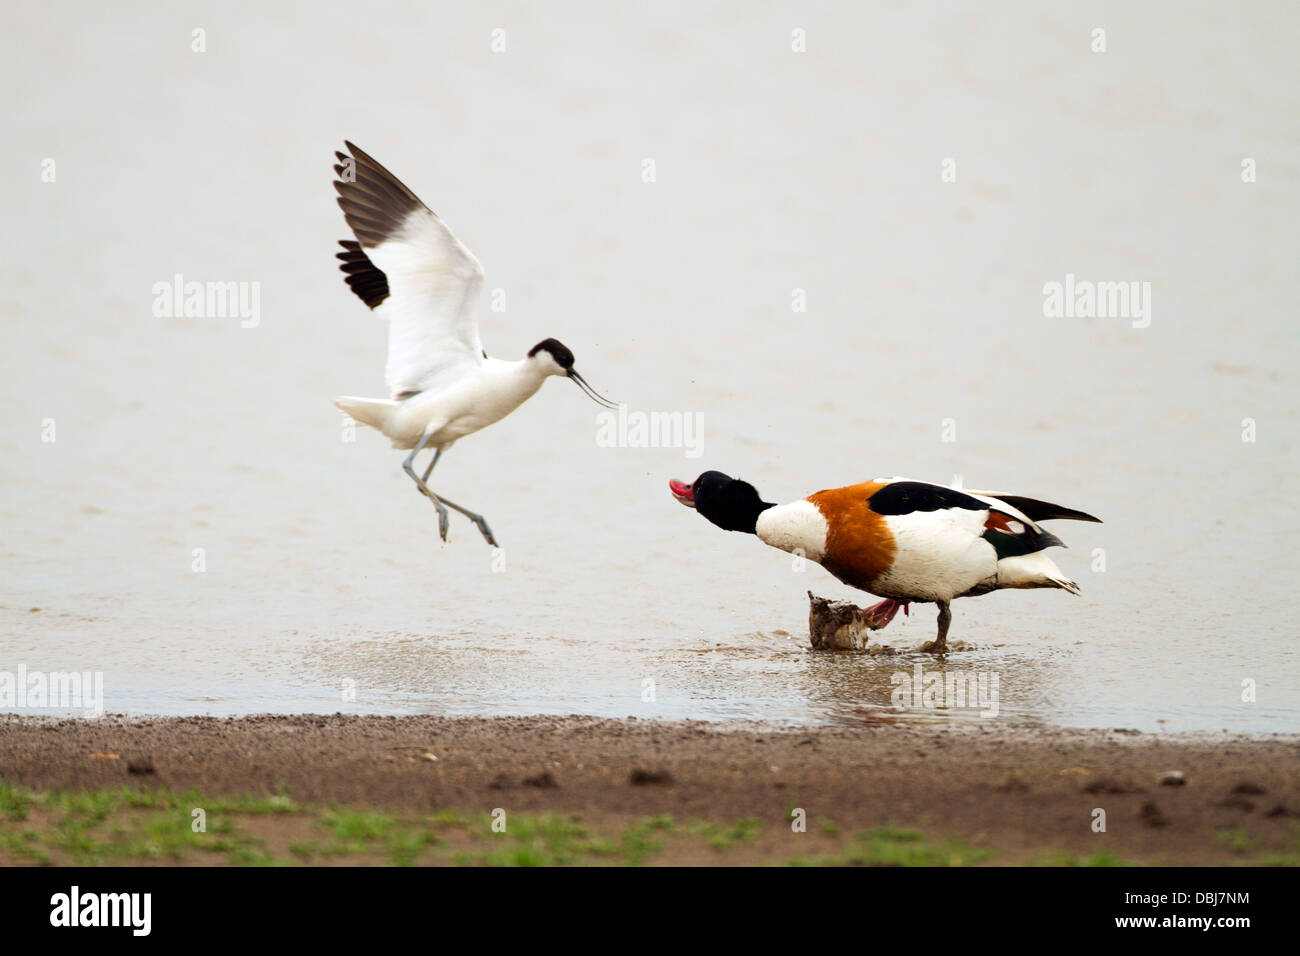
837	625
1237	802
646	778
1150	815
140	766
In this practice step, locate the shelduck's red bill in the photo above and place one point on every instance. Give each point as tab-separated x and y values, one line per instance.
682	492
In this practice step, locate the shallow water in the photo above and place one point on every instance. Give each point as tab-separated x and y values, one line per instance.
324	578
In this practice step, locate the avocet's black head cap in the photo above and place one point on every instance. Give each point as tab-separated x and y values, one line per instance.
558	351
730	503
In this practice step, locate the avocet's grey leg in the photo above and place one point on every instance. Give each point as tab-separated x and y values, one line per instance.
444	519
478	519
429	471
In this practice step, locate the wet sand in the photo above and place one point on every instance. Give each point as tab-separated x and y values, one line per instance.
1023	794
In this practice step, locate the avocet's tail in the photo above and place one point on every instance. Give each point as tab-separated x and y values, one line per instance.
1035	570
374	412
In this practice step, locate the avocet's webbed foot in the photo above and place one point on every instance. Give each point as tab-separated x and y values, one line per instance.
479	521
442	504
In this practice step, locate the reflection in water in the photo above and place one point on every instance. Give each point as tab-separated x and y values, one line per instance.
770	677
766	677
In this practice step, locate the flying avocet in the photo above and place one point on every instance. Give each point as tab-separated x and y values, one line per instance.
407	266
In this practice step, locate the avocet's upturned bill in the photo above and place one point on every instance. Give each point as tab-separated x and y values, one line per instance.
901	540
408	267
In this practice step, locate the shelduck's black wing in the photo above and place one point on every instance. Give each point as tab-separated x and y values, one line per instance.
1036	510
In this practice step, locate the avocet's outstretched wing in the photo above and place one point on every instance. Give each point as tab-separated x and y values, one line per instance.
407	265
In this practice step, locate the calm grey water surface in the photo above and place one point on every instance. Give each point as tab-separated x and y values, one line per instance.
774	171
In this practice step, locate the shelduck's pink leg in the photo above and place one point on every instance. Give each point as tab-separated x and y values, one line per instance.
878	615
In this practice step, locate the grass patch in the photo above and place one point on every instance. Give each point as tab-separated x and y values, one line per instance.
121	826
23	845
888	846
722	838
1238	841
13	802
549	839
1061	858
124	826
642	840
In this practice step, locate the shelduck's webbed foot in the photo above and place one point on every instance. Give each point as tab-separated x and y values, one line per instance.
940	644
878	615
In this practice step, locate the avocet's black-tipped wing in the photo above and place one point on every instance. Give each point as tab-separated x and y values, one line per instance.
370	285
408	266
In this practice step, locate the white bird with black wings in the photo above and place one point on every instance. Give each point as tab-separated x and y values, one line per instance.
409	268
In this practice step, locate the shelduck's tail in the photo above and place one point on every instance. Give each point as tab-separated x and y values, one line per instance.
375	412
1035	570
1036	510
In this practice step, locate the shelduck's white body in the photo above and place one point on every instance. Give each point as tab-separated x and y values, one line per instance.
936	555
899	539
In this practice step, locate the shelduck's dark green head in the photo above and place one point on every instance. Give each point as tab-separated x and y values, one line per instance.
727	502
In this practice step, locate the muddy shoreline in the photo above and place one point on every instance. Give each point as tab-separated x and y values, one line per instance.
1023	793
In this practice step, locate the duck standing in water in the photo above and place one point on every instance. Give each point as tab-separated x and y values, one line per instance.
900	540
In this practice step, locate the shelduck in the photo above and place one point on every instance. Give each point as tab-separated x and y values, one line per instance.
905	541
